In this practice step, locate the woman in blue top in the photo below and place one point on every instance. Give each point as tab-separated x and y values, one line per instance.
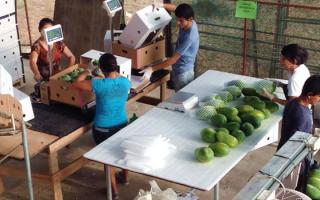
111	97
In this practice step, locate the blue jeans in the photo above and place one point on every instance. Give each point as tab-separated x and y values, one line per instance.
181	80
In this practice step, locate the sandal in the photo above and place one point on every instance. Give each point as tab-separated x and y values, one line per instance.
115	195
121	179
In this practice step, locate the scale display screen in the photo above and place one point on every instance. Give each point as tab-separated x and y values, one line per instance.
53	34
112	6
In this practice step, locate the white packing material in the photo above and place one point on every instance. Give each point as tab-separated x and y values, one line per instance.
146	152
6	86
145	26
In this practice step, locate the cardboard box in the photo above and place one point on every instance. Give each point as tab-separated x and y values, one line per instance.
124	63
146	55
64	92
9	105
144	27
25	102
45	93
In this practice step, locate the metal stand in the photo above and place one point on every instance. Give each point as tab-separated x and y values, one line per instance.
11	131
50	59
107	172
27	159
111	31
216	192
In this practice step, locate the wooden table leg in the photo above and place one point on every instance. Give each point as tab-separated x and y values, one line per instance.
163	91
1	186
53	168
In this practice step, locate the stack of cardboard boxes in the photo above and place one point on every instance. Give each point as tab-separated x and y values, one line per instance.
142	39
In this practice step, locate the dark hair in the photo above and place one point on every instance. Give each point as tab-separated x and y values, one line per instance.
184	10
45	21
312	86
295	54
108	63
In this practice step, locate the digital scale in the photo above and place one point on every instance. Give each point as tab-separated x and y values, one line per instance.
51	35
111	6
181	101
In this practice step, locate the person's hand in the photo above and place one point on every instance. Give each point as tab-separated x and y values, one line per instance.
156	4
276	82
266	94
147	72
37	77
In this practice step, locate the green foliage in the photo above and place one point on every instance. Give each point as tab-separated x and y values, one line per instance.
210	8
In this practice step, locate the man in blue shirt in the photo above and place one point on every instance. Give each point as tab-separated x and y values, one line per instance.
187	46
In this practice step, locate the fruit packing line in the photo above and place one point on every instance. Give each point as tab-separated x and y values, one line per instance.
279	166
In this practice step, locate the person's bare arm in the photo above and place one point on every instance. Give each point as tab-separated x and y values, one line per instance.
34	67
69	55
283	101
169	7
168	62
82	83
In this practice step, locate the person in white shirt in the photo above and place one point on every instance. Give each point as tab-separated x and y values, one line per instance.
292	59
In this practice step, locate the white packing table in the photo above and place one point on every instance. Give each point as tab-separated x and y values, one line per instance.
184	132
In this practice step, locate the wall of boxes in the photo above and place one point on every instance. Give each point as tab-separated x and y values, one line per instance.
10	56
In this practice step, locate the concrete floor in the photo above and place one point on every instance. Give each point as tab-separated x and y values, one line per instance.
88	182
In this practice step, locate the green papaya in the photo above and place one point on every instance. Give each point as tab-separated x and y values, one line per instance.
232	126
247	128
204	154
220	149
271	106
244	108
208	135
239	134
219	120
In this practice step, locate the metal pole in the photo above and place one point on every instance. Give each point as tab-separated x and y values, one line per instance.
28	22
111	30
107	172
216	192
27	159
50	59
244	49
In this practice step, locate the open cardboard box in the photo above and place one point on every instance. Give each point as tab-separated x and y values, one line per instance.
143	56
64	92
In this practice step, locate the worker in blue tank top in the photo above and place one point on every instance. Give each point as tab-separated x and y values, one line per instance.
187	45
111	97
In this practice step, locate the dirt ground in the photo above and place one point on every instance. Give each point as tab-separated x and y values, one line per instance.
88	182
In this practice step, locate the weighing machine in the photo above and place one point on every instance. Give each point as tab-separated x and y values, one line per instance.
111	6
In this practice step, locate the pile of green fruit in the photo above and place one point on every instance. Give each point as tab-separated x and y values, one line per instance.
232	124
71	76
313	185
